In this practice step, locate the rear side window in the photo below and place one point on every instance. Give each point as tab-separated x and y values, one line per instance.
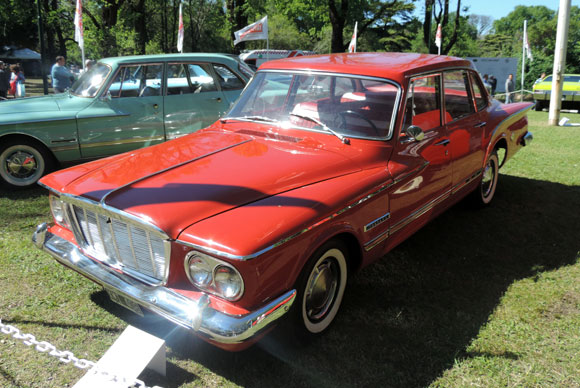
456	91
478	94
228	80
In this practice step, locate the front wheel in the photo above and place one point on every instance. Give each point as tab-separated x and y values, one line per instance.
321	286
483	195
22	164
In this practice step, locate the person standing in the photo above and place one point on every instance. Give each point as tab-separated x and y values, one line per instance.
4	80
493	83
17	82
540	79
62	78
509	89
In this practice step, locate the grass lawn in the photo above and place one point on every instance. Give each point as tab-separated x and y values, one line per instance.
487	298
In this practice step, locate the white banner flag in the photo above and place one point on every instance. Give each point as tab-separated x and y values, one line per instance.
438	38
180	32
79	35
352	45
527	43
255	31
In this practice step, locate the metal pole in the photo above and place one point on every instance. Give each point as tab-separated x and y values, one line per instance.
41	39
523	58
559	62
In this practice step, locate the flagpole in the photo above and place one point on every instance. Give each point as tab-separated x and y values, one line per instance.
524	58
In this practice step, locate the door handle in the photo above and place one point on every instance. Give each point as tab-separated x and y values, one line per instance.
482	124
155	106
218	99
443	142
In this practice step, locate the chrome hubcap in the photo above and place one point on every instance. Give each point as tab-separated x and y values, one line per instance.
321	289
21	164
487	179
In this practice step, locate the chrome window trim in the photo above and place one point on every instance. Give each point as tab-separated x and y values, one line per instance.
344	75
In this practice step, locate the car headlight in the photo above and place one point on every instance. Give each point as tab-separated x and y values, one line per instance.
57	208
214	276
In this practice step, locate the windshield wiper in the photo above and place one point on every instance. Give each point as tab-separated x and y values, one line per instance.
255	118
342	138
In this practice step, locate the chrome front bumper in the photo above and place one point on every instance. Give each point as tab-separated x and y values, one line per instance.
196	315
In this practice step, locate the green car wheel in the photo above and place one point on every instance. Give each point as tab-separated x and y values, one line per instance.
22	164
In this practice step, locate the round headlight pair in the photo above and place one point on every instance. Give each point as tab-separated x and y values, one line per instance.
211	275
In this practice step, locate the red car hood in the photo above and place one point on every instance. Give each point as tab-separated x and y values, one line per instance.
178	183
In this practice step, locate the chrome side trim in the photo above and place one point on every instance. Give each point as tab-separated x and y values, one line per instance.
418	213
196	315
104	199
104	116
124	141
467	181
509	117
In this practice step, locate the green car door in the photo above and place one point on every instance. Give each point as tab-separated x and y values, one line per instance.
127	116
194	99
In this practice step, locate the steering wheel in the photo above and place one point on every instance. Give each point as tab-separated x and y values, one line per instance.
343	115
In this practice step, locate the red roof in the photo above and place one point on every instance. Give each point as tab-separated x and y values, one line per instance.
385	65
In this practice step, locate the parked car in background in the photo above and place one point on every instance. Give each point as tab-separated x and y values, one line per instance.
255	58
323	165
119	105
570	92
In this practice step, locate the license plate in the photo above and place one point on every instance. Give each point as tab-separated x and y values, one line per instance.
124	301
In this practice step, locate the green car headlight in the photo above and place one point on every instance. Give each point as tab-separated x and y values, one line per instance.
214	276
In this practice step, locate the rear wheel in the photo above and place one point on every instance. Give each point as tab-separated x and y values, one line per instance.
321	286
483	195
539	106
23	163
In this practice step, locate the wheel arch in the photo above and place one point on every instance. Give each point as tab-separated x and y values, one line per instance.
30	139
501	144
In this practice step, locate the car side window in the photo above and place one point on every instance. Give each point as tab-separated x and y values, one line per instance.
137	81
201	78
478	95
457	97
423	104
228	79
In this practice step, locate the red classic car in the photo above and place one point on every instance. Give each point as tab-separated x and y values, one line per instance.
323	165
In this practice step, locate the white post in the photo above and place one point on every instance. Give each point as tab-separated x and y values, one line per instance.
524	58
559	62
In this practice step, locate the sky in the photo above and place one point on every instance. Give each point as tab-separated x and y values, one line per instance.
500	8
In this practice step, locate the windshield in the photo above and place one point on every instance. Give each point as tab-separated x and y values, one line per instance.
91	81
343	105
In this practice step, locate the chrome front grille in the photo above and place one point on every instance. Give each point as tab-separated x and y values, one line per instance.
125	244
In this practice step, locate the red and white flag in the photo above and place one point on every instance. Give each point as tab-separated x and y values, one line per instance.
79	34
352	44
255	31
180	31
438	38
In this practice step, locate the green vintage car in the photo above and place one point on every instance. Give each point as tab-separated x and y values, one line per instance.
119	105
570	92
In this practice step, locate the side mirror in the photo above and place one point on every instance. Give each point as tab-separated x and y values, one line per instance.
413	133
106	96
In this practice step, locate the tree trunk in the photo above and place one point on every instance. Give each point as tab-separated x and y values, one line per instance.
141	27
337	20
427	24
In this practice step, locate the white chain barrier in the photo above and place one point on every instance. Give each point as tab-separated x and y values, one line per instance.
67	357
